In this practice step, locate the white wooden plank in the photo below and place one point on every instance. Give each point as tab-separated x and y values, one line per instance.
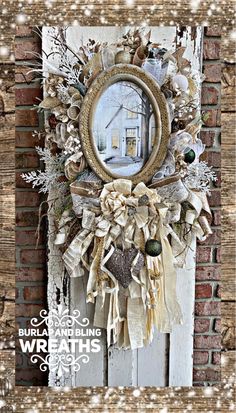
56	270
181	338
153	362
75	34
87	375
122	367
92	373
126	367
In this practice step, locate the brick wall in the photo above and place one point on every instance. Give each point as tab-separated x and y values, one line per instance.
31	277
207	338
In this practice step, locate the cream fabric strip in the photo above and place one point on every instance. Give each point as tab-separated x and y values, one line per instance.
150	300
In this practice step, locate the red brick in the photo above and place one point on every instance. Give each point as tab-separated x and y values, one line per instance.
211	49
27	218
203	291
217	183
27	117
200	357
212	117
208	374
24	139
218	291
210	95
28	238
27	198
24	49
203	254
212	72
27	160
213	239
35	293
22	74
201	325
28	310
216	217
20	182
28	96
207	342
212	158
207	308
218	255
208	138
31	274
217	325
214	199
35	256
216	356
27	139
213	31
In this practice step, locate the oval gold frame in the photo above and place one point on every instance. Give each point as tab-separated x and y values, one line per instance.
148	84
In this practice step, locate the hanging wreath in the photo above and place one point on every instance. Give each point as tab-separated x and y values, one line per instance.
129	238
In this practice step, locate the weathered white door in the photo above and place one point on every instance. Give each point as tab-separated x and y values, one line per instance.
166	362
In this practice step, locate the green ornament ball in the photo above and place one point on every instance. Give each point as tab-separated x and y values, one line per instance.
153	247
189	156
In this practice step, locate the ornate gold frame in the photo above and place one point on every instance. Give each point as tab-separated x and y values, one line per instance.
147	83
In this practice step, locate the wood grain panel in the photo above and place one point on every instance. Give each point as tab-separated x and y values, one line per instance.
228	311
166	13
228	364
7	375
228	102
120	400
7	323
228	287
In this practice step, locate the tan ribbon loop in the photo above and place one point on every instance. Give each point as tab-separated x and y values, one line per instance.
130	217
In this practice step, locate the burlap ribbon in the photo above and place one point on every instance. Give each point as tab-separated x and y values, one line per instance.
196	223
129	218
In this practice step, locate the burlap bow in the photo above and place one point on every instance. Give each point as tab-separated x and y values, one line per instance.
129	218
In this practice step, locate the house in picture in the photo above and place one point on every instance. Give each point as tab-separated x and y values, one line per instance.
124	128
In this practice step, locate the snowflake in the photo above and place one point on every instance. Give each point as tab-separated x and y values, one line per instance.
49	178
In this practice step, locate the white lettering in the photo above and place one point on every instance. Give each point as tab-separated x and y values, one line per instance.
52	345
42	346
27	346
95	346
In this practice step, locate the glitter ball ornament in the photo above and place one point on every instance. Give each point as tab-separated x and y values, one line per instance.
189	156
153	247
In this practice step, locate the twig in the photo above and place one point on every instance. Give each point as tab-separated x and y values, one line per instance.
37	232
